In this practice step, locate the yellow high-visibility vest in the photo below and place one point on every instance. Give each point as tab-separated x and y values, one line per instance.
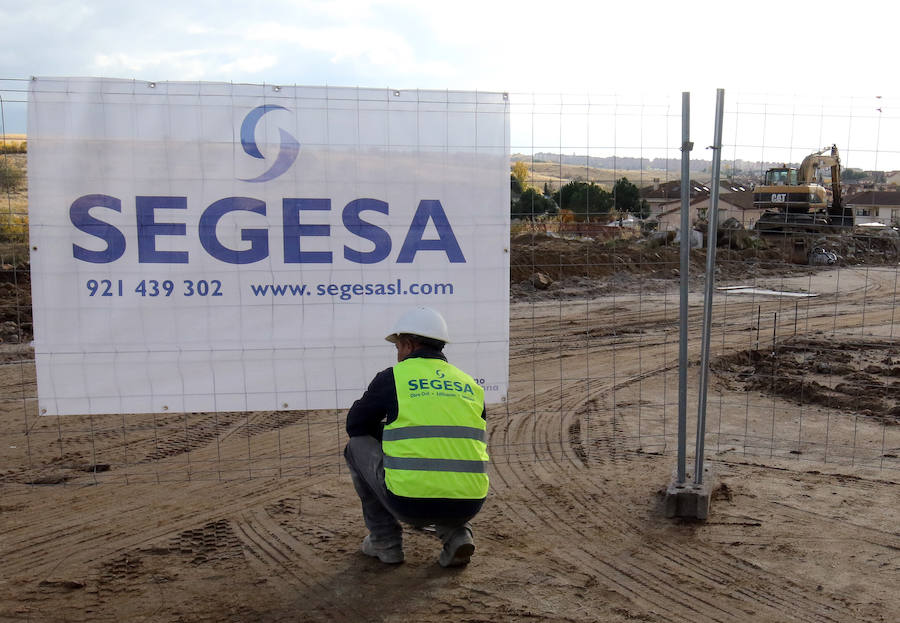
437	447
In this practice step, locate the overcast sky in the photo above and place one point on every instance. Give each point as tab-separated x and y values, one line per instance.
810	49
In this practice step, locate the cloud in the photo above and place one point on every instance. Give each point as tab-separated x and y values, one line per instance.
187	64
250	64
352	43
565	46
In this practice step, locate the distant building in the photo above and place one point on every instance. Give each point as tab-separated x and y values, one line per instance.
671	191
738	205
874	206
665	198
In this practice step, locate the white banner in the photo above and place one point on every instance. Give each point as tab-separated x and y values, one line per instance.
208	246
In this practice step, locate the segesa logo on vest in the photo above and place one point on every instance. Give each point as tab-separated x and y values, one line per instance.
443	387
359	217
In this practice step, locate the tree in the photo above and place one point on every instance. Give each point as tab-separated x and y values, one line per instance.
852	175
520	172
584	199
628	199
515	187
532	203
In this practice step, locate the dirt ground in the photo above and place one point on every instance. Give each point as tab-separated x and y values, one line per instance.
252	517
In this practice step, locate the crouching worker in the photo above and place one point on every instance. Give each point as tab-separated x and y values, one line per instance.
417	451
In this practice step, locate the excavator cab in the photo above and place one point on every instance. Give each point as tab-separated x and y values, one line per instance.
783	176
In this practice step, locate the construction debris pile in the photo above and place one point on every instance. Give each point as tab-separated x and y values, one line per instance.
552	266
861	377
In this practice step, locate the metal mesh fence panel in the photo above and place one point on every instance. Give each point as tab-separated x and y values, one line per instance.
805	362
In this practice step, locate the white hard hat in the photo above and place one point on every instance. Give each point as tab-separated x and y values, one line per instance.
421	321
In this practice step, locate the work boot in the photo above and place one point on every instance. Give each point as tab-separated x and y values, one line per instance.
390	555
458	549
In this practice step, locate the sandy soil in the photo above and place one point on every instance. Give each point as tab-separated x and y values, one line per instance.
251	517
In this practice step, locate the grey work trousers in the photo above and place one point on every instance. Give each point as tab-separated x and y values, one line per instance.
365	459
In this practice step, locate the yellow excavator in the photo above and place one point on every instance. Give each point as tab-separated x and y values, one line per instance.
795	201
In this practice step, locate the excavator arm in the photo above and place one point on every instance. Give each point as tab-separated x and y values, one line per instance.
806	174
837	200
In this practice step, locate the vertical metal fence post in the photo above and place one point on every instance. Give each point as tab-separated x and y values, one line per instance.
710	284
685	249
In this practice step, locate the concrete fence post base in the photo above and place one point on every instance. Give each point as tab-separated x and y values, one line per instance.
689	500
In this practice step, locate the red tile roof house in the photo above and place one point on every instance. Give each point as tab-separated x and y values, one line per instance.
662	196
665	199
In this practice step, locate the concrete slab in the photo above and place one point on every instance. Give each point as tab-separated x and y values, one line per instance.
688	500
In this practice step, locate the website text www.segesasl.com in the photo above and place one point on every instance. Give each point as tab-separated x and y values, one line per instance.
346	291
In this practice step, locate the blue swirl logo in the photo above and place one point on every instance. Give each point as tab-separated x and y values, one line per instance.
287	153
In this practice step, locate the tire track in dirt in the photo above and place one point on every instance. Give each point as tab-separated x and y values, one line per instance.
791	600
119	537
92	534
627	580
554	332
789	597
793	596
141	444
276	553
781	594
659	599
647	580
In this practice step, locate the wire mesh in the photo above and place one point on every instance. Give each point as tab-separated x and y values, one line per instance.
805	362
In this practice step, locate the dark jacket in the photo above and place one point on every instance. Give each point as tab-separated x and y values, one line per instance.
378	407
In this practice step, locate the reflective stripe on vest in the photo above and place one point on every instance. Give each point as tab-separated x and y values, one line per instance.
436	447
434	465
422	432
